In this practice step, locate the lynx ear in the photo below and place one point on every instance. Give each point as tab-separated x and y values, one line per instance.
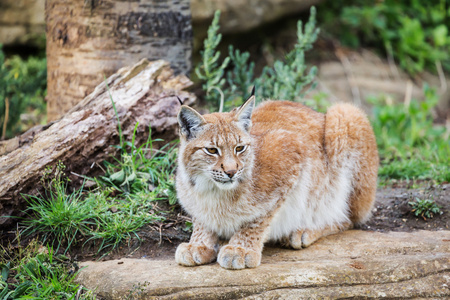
244	113
190	121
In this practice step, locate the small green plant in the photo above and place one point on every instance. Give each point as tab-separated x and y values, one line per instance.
425	208
22	90
143	168
188	226
289	79
413	32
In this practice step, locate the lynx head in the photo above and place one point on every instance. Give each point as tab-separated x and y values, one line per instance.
215	149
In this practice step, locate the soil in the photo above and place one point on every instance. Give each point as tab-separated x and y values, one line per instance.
391	212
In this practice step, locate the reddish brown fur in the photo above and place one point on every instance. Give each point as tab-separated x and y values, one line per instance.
361	138
291	149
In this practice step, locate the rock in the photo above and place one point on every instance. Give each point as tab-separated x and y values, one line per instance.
351	264
19	19
22	22
358	75
240	16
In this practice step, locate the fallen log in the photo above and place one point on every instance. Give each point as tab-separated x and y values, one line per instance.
145	93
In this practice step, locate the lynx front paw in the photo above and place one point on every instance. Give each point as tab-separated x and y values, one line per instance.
235	257
194	254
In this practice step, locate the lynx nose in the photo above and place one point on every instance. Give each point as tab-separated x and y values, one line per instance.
231	173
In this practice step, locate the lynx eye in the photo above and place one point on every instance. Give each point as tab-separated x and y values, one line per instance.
212	150
239	149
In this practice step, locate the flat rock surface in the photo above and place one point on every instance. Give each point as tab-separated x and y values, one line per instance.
350	264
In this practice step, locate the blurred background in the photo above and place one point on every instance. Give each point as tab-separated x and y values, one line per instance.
366	50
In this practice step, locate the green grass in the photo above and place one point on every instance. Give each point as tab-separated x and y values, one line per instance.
410	145
58	216
143	168
112	212
37	272
118	218
124	200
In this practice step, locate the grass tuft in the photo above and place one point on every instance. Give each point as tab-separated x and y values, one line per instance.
58	216
37	272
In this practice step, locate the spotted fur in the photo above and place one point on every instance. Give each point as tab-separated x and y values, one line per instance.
282	172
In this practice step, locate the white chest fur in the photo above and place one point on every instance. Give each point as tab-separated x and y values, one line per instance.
314	204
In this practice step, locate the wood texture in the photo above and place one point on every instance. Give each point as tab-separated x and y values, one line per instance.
145	93
87	40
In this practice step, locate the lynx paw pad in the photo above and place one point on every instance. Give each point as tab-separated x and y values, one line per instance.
194	254
235	257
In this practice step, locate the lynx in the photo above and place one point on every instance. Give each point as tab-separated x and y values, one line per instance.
280	172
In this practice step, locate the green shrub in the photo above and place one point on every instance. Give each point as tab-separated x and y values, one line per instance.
22	86
209	70
285	80
413	32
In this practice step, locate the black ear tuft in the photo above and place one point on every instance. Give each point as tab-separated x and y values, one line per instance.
179	100
253	91
244	113
190	122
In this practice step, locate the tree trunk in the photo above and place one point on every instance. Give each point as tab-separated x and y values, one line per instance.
145	93
87	40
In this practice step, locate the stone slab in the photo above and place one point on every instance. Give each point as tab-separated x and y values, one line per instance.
350	264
